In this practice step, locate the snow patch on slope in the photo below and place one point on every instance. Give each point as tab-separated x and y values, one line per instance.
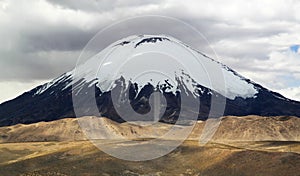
54	82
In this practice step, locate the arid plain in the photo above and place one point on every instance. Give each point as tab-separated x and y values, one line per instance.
241	146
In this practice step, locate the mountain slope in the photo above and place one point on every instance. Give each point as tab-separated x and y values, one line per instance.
182	90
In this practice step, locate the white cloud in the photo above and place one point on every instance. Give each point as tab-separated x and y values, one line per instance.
12	89
291	92
279	70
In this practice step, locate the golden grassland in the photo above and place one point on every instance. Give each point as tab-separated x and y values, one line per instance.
241	146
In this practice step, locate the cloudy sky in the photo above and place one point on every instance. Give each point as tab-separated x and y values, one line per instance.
41	39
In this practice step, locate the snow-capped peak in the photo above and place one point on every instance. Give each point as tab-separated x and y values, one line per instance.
155	59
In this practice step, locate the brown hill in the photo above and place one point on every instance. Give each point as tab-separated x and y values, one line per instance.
232	128
246	146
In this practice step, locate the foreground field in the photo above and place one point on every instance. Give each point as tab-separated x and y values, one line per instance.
83	159
241	146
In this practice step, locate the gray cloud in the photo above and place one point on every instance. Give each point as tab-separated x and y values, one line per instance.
100	5
63	38
24	67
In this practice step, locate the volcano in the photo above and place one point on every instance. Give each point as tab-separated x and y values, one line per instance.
124	76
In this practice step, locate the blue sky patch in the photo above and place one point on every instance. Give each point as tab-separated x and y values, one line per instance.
294	48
